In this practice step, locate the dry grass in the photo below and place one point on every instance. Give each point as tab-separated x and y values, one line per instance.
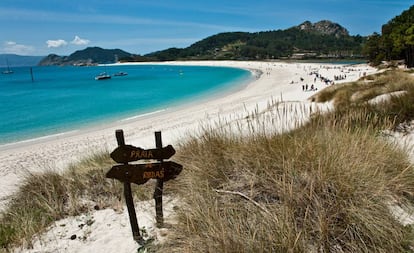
46	197
366	88
324	187
324	190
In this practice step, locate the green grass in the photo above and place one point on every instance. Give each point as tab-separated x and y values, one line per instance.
327	186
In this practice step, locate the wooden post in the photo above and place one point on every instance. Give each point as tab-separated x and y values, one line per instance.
159	188
31	74
128	197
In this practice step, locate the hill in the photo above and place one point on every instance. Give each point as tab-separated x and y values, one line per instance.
88	56
14	60
323	39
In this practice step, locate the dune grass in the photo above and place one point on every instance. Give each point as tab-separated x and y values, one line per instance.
327	186
366	88
320	191
49	196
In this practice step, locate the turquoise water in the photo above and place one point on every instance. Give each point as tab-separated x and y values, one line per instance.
62	99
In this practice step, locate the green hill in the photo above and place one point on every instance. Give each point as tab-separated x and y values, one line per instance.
88	56
323	39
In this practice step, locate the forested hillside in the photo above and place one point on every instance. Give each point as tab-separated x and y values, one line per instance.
396	41
324	39
88	56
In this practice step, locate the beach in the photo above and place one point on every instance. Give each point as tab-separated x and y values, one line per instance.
278	84
272	81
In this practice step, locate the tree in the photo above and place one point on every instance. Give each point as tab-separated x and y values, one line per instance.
373	49
398	37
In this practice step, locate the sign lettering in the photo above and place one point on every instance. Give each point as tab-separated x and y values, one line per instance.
154	174
129	153
141	154
141	173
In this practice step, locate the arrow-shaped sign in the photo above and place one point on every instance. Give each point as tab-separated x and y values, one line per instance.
141	173
129	153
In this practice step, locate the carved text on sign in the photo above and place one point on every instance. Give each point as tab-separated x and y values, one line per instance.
129	153
154	174
141	154
141	173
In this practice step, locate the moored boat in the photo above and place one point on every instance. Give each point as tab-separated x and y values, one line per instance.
121	73
8	71
102	76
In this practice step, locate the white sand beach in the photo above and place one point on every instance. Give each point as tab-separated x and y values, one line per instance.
272	81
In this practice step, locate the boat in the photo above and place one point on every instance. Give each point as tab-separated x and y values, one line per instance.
102	76
8	71
121	74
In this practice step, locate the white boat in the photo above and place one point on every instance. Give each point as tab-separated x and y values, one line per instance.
102	76
121	73
8	71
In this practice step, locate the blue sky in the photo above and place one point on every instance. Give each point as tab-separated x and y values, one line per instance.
41	27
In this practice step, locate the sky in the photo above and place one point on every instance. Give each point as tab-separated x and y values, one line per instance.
42	27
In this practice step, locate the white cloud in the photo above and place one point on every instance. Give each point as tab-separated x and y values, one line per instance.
12	47
56	43
78	41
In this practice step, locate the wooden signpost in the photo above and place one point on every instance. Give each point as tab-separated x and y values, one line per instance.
141	173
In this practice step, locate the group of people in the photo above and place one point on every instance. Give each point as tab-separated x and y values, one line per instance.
340	77
325	80
305	87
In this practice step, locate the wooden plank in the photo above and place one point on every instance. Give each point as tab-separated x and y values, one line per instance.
129	153
141	173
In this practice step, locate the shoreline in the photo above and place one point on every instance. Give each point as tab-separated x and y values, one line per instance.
44	131
113	121
277	80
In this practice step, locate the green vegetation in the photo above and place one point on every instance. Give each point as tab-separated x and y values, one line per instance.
327	186
396	41
87	56
267	45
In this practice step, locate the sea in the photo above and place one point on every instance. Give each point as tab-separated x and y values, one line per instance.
41	101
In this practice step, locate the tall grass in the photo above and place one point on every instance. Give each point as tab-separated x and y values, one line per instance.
366	88
327	186
314	190
49	196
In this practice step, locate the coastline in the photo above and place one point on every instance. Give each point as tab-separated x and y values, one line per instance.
277	80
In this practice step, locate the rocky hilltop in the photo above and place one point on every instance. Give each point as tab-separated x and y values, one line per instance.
324	27
88	56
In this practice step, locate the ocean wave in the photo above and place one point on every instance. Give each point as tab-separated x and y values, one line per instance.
142	115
